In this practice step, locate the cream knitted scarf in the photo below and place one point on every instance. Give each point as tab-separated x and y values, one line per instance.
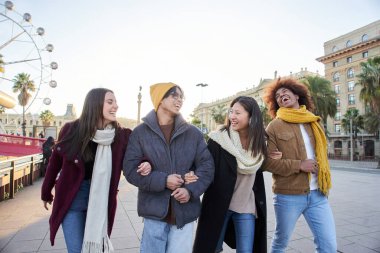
246	163
95	235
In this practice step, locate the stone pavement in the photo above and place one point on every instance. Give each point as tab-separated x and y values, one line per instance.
354	199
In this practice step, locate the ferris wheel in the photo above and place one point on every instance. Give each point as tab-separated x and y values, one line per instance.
23	50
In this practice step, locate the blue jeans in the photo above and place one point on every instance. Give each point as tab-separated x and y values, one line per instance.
244	224
317	212
160	237
75	220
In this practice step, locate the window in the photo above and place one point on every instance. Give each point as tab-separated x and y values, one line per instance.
334	49
350	73
338	115
335	64
351	85
60	123
351	99
337	102
348	43
337	128
31	122
365	54
337	89
349	59
364	37
336	77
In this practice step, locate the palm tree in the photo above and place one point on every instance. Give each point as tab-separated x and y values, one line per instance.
323	97
357	121
369	79
46	117
219	113
352	116
24	85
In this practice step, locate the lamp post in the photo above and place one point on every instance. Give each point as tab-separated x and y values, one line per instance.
139	105
202	85
352	145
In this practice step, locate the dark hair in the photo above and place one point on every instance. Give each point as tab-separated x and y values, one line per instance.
256	130
172	89
85	127
291	84
50	139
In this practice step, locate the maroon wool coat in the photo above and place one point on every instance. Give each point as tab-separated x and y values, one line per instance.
72	172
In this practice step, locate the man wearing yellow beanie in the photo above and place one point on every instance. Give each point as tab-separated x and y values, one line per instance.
174	148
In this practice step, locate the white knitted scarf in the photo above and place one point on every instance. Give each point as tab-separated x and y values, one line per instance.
95	235
246	163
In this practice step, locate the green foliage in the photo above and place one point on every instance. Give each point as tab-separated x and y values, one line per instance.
369	80
6	195
265	115
46	117
323	96
219	114
357	121
23	85
19	187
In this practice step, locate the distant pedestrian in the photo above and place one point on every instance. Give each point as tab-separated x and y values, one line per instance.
41	135
301	178
47	149
87	161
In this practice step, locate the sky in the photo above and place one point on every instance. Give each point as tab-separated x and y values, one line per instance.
229	45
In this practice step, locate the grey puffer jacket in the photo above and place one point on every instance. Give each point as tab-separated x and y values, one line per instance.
186	151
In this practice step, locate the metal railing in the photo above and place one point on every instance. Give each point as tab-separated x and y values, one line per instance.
16	173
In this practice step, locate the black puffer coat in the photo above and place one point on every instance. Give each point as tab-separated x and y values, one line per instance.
216	201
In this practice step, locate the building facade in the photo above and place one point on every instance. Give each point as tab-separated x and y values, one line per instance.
342	58
12	123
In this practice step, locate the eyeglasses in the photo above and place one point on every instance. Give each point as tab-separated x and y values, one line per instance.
177	96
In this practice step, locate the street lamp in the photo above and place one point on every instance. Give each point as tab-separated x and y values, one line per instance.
202	85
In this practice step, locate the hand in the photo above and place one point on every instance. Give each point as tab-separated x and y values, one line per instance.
144	169
45	204
309	165
190	177
174	181
276	155
182	195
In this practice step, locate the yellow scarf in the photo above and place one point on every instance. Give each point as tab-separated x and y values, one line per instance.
302	115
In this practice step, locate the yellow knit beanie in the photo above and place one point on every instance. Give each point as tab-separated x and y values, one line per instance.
158	91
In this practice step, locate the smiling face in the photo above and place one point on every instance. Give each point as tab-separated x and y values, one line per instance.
286	98
238	117
172	103
109	108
